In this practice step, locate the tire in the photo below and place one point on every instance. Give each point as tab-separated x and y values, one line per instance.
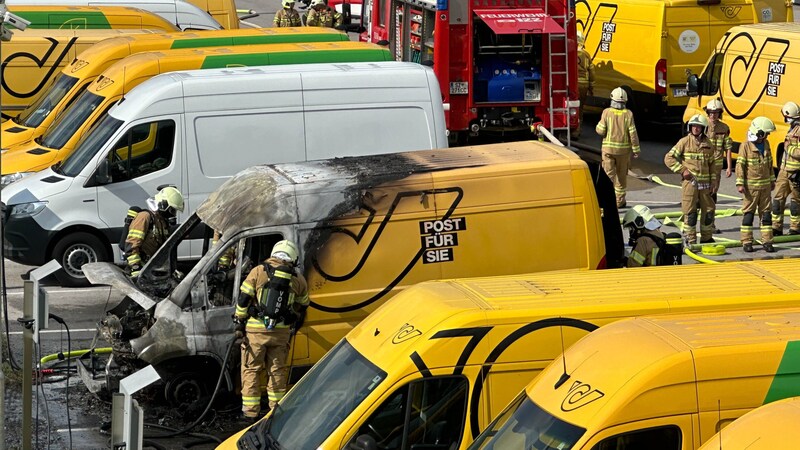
72	252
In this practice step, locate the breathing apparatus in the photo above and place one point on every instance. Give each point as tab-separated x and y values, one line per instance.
273	306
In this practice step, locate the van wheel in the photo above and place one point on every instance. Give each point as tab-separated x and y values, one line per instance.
72	252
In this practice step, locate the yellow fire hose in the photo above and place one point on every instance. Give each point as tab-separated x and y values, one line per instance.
74	354
699	258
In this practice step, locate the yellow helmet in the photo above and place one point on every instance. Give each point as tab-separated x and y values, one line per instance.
791	110
761	126
285	250
169	199
619	95
714	105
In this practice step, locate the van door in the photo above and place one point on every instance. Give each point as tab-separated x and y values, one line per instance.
689	41
144	158
665	433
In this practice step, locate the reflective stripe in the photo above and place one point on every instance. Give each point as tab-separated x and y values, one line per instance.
654	257
241	312
248	289
251	401
134	259
275	396
135	234
747	228
637	257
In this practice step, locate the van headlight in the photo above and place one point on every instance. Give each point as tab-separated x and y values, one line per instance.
27	209
5	180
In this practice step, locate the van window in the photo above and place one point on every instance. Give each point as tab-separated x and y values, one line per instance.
144	149
221	275
428	413
267	138
73	118
334	133
33	115
89	146
712	75
661	438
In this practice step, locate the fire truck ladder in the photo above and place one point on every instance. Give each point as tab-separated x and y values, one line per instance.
554	110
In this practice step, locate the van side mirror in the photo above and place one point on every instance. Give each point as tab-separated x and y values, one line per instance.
693	86
364	442
102	176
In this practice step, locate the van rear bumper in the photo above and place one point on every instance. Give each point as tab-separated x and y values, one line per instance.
26	241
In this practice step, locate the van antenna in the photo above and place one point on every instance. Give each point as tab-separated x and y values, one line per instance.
564	376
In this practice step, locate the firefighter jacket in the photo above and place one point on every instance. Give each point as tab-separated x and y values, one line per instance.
720	135
791	148
255	282
146	233
328	17
618	131
753	168
698	156
585	69
645	250
286	18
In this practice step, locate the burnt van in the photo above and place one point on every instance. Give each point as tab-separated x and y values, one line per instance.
368	227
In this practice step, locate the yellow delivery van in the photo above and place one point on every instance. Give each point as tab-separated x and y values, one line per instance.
91	17
759	87
664	383
62	136
647	46
34	120
369	227
437	362
769	427
33	57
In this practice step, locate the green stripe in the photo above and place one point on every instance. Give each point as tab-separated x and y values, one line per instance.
68	20
287	38
296	57
787	380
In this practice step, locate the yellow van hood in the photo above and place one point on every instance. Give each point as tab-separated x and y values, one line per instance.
13	134
27	157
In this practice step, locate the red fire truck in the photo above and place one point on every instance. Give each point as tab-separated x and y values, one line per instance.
502	65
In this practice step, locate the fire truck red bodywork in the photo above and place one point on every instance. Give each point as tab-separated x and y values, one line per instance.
500	63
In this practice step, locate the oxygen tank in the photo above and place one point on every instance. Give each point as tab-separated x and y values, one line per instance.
276	304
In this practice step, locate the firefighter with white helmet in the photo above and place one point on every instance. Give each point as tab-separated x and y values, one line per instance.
720	135
694	157
321	15
755	179
620	142
645	234
788	181
585	80
150	228
271	304
288	16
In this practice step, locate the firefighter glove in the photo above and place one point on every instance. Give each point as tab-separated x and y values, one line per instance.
135	269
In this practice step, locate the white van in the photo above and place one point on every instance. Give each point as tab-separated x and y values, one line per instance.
196	129
184	15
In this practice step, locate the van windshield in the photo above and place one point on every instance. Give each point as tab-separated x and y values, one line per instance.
322	399
33	115
523	424
72	119
89	146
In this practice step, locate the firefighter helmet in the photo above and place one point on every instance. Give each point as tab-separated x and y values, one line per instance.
285	250
761	127
697	119
714	105
619	95
288	3
581	39
791	110
640	217
169	200
317	3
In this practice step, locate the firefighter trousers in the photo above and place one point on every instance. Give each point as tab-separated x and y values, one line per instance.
616	167
783	189
756	201
690	198
264	349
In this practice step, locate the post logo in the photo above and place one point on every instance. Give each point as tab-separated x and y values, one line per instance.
580	395
406	332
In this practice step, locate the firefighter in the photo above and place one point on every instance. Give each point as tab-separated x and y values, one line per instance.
619	141
151	228
720	135
321	15
585	80
756	180
288	16
694	158
268	320
645	235
787	182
